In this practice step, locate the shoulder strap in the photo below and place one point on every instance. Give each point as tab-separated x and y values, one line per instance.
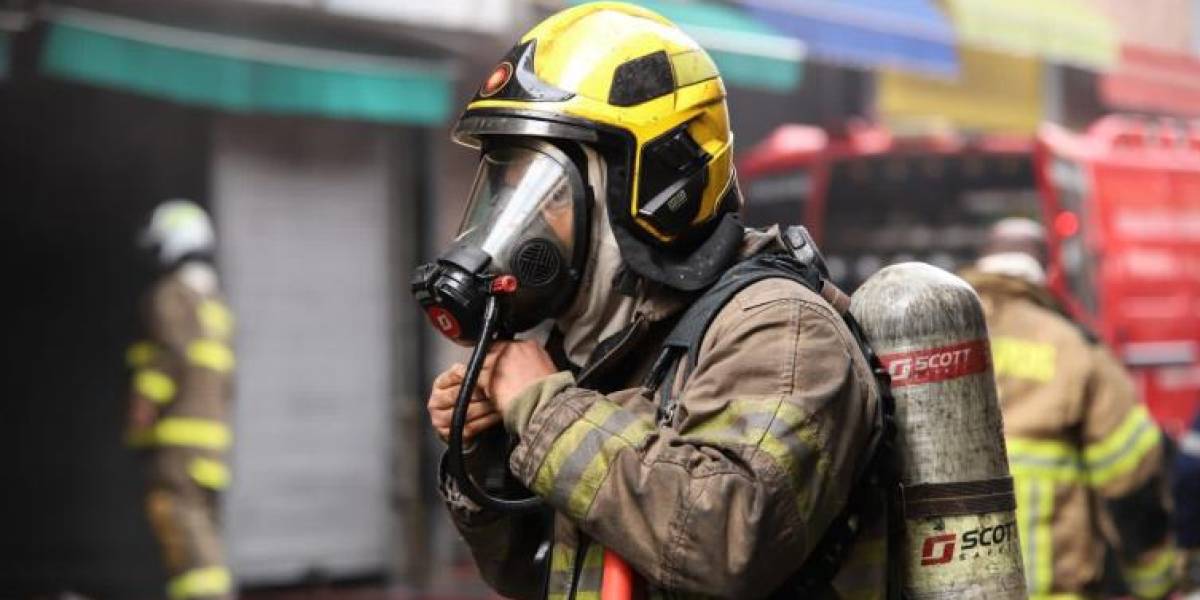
803	264
682	346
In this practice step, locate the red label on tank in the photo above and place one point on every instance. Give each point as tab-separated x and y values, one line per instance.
938	549
937	364
444	321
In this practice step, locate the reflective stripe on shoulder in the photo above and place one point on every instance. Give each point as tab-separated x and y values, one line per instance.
197	583
154	385
210	354
1121	451
184	431
140	353
1023	359
212	474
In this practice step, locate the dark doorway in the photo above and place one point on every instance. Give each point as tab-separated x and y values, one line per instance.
79	170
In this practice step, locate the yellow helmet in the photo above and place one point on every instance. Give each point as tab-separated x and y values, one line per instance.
647	97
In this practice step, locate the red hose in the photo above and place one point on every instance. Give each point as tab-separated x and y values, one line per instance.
618	579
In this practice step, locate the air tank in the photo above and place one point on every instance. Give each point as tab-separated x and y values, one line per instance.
960	530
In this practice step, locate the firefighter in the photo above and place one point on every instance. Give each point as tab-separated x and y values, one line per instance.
722	475
1085	456
1186	491
180	400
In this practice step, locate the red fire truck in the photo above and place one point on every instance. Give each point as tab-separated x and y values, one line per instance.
1121	203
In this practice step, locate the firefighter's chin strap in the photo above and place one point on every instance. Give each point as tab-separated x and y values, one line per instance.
456	463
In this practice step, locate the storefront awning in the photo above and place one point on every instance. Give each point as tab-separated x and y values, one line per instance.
994	93
911	35
1154	80
1060	31
241	74
748	53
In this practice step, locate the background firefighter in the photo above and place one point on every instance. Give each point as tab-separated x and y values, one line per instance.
1185	483
1085	456
725	488
180	400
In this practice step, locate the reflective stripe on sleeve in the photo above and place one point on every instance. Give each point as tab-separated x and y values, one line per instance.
578	461
154	385
212	474
1153	579
1122	450
140	354
206	581
210	354
780	430
184	431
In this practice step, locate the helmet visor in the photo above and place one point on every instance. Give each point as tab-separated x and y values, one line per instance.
519	195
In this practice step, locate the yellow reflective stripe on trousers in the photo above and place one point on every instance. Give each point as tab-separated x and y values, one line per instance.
206	581
215	318
1044	459
210	354
1153	579
185	431
1023	359
1035	511
578	462
1121	451
212	474
140	354
154	385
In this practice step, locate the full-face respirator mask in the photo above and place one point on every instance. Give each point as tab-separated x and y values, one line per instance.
523	242
516	261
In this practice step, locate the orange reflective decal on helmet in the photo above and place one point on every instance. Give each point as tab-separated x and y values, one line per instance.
497	80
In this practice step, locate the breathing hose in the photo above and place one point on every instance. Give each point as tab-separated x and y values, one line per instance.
456	463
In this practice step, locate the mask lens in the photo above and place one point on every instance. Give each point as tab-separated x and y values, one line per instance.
519	195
